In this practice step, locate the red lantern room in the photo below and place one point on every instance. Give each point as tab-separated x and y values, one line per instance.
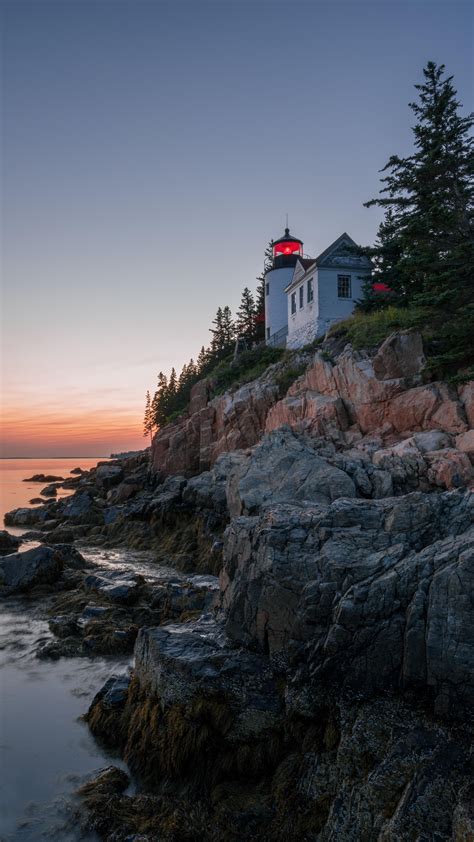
286	250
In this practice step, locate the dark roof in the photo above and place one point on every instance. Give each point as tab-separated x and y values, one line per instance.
306	262
287	236
343	239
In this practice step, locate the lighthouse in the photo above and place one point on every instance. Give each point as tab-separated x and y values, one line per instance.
285	253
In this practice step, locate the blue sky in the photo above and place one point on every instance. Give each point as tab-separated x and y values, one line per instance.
150	151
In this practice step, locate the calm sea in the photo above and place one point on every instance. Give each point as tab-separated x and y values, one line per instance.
15	493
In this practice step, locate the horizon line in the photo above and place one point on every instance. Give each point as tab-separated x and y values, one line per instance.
95	456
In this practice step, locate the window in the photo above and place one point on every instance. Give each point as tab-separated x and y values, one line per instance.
344	286
293	303
301	297
268	333
267	288
310	293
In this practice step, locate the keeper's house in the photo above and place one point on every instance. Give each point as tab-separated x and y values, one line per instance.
304	296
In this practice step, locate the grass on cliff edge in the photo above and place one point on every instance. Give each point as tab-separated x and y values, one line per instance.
448	340
230	373
246	367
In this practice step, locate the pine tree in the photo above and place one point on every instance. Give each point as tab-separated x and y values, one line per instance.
202	360
159	399
431	196
260	309
245	323
222	333
428	248
148	418
216	332
170	403
228	330
191	370
260	296
385	255
183	378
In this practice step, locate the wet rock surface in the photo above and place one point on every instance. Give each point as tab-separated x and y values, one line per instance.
23	571
8	543
43	478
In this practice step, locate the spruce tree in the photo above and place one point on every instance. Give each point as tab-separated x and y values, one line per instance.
245	322
159	399
202	360
228	330
171	392
427	248
191	370
385	255
183	377
260	296
216	333
148	417
260	309
222	333
431	197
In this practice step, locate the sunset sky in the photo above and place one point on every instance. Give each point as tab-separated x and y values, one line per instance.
150	151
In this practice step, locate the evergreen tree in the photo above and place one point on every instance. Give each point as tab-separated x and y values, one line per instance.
222	333
216	333
431	198
260	309
159	399
228	330
148	418
202	360
192	371
173	382
245	323
385	255
260	296
183	378
427	246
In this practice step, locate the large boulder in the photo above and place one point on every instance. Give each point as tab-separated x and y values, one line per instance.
466	395
81	508
177	664
23	571
323	415
49	490
106	476
199	396
284	468
28	517
401	355
8	543
115	586
465	443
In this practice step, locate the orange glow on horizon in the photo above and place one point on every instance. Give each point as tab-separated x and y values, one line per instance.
87	432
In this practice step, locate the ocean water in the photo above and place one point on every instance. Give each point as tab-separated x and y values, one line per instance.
46	751
15	493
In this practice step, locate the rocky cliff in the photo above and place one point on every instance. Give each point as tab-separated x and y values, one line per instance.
321	689
349	399
328	696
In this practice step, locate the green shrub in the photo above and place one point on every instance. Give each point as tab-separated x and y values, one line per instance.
288	376
246	367
448	338
366	330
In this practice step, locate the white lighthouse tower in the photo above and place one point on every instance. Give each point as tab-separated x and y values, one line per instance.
285	253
